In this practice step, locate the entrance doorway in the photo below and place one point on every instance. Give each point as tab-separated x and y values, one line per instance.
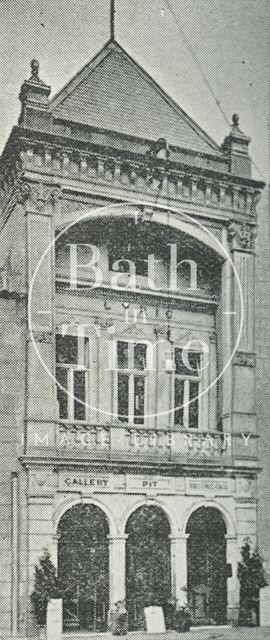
83	568
206	567
148	566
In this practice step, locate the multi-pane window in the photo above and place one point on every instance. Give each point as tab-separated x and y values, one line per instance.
71	366
131	381
187	380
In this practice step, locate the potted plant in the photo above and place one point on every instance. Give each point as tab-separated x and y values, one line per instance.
45	588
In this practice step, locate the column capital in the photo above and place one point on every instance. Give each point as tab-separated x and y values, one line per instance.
181	537
241	236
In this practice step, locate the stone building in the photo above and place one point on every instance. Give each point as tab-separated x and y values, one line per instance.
129	443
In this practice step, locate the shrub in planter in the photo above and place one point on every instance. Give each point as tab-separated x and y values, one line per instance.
119	619
251	576
45	587
182	619
169	612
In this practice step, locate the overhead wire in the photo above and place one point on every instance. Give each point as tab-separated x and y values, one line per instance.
205	79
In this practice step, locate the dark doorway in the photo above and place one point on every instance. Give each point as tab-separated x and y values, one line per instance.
206	567
148	570
83	568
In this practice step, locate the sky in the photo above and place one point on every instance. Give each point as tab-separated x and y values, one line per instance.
228	37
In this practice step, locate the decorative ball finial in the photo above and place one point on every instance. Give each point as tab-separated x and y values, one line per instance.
34	68
235	119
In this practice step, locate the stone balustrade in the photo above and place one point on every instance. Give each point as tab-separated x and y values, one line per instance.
171	182
121	442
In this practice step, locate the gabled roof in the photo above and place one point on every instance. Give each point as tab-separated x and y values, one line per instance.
113	92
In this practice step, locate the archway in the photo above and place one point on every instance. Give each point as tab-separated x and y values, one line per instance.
206	566
83	567
148	565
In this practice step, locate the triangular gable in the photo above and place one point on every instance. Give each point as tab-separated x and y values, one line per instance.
114	93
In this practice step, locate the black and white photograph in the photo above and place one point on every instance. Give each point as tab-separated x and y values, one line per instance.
134	320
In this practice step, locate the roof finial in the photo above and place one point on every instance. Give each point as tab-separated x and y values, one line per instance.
235	119
34	68
112	19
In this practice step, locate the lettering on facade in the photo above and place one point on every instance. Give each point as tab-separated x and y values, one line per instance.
150	484
85	482
145	484
205	486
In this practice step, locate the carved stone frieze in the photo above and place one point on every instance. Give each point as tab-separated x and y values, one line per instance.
42	337
56	195
40	482
213	337
42	195
161	330
245	359
23	191
241	236
69	206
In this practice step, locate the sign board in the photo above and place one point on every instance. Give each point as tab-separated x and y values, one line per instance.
208	486
54	620
85	482
151	484
154	618
265	607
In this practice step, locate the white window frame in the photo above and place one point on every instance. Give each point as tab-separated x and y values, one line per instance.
187	380
131	375
71	368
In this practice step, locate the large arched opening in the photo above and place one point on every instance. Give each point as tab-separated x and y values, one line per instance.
83	567
148	562
206	566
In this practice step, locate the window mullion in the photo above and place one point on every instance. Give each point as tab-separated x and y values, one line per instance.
186	405
70	393
131	398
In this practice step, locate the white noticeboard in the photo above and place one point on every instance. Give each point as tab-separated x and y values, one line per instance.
265	607
54	620
154	618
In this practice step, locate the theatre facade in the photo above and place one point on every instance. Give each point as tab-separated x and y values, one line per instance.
127	344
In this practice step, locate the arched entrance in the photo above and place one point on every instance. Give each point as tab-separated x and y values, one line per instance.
206	566
148	570
83	567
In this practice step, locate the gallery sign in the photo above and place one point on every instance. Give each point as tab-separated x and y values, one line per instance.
86	482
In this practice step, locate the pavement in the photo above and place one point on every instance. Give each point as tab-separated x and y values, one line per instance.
214	634
231	633
218	633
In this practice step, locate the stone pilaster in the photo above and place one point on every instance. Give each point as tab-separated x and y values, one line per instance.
41	405
241	237
232	582
179	567
225	340
117	561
